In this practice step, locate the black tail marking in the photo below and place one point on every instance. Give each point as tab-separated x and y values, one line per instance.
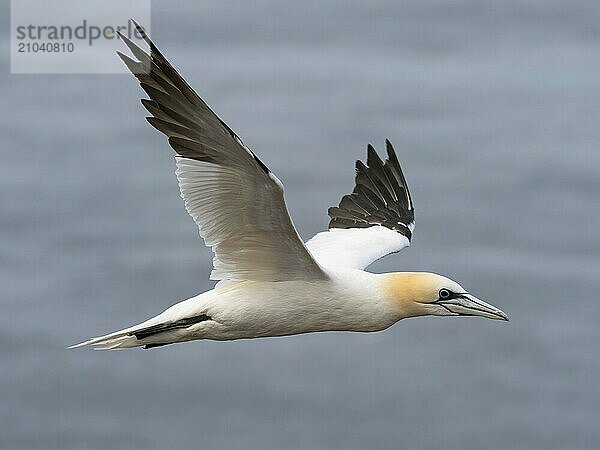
167	326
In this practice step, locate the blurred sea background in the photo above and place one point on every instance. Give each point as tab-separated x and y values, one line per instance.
494	109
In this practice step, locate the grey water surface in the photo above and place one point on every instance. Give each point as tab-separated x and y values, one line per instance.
494	109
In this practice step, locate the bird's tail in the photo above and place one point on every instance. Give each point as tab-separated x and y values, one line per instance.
154	332
113	341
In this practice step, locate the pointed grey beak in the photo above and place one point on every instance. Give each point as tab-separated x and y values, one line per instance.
469	305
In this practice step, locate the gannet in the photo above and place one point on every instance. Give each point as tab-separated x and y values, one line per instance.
271	283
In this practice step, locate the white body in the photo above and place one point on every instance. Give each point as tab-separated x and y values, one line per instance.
259	309
349	301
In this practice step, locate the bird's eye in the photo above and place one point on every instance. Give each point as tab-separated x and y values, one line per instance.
444	294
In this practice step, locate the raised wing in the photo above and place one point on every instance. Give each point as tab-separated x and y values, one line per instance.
232	196
376	219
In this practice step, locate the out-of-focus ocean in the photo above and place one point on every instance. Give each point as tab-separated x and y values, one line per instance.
494	109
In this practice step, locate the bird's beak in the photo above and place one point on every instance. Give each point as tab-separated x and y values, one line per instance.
469	305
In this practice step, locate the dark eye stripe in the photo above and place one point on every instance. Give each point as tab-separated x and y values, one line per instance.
452	295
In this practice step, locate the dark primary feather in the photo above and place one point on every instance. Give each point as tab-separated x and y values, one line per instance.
380	196
193	129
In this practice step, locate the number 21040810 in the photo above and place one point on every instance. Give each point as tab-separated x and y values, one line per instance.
36	47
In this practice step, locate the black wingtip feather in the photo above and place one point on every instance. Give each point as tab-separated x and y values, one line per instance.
139	29
393	158
177	110
380	196
133	66
135	49
372	157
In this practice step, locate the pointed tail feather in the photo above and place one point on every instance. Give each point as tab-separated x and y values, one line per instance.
112	341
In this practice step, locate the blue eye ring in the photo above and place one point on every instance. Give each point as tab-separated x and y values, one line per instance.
444	294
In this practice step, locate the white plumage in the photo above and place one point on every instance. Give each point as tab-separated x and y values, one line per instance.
355	248
271	283
241	214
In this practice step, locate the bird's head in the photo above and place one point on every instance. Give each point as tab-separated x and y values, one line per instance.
414	294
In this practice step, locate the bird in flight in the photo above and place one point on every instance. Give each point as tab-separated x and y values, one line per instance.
271	283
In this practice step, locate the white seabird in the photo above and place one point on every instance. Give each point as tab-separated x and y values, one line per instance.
271	283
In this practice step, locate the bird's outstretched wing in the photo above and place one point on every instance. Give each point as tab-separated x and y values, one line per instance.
376	219
232	196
